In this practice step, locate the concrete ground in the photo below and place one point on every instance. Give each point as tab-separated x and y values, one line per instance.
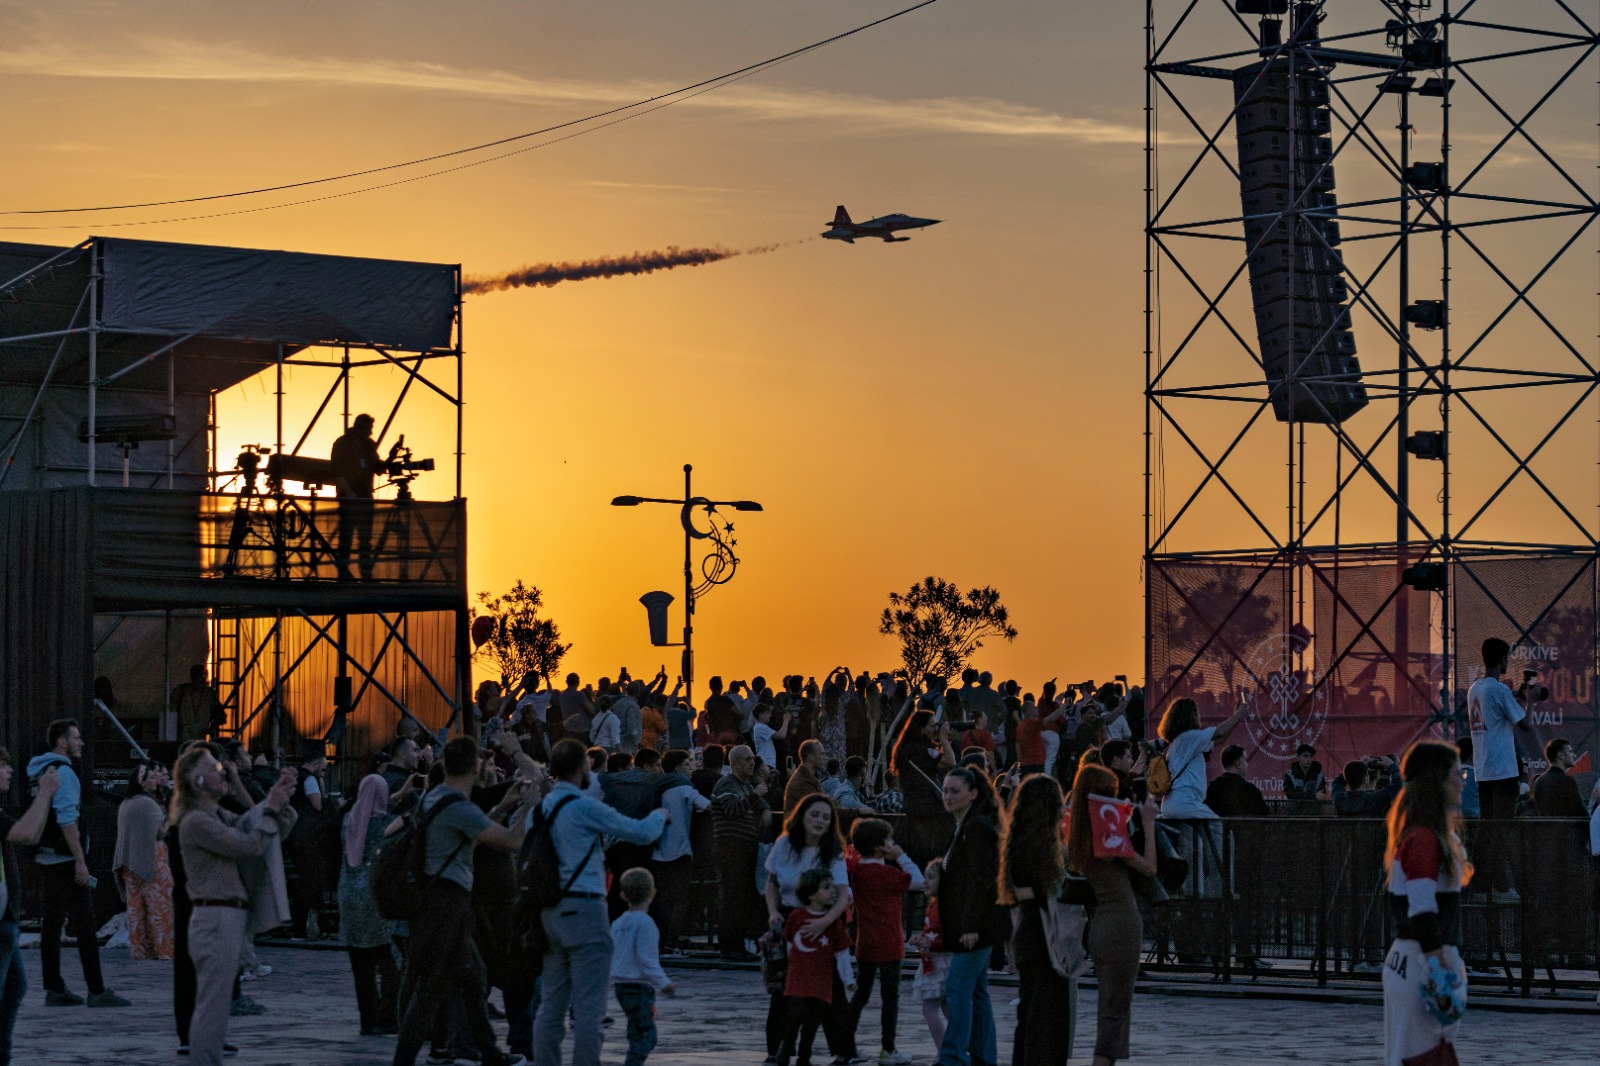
718	1016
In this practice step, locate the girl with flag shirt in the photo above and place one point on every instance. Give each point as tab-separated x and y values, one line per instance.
1424	980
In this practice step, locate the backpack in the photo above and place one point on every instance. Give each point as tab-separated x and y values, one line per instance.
1158	776
401	867
539	881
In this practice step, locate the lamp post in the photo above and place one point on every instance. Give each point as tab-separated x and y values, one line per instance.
716	568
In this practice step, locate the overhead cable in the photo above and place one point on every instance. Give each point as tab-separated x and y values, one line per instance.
661	99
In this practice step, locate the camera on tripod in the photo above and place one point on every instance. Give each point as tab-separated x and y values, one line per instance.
400	464
401	469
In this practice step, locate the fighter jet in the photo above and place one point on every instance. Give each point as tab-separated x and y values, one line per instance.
884	228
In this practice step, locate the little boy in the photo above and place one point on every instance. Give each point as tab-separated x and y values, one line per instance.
879	880
636	972
808	987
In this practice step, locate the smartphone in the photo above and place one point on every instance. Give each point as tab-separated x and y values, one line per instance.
789	763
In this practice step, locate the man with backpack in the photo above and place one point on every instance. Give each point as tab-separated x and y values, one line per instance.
575	828
66	889
443	960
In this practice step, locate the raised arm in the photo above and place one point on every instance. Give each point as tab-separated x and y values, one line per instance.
1227	724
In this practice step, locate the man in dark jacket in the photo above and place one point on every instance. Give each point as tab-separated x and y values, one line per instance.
1304	781
1232	795
1555	793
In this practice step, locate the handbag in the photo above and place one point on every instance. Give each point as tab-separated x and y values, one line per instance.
1441	1054
1066	927
1066	930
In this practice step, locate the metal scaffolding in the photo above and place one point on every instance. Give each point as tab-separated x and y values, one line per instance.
1410	176
116	343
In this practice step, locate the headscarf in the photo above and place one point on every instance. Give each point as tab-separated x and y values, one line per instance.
372	799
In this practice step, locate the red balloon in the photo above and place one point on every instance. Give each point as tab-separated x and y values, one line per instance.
482	630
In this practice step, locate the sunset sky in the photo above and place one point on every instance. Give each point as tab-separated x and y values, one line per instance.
967	404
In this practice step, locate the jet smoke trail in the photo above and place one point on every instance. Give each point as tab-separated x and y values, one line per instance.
548	274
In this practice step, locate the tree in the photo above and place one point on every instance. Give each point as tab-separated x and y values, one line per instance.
523	647
940	629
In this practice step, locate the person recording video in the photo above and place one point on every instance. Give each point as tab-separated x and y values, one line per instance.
355	468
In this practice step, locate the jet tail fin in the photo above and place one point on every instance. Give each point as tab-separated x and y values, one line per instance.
841	217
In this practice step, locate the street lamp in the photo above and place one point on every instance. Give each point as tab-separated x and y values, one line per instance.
716	568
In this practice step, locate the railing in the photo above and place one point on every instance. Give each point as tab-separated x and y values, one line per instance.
1313	889
308	538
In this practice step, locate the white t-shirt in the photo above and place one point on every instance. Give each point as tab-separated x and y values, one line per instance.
681	802
1184	761
786	866
312	788
1491	713
1119	729
765	750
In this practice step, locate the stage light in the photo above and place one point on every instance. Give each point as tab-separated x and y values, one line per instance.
1426	444
1425	177
1426	314
1425	577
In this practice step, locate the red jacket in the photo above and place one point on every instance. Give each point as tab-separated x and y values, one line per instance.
879	892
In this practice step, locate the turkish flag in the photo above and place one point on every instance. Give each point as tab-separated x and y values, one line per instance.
1583	765
1109	819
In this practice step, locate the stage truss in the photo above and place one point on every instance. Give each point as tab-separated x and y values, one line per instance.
1462	140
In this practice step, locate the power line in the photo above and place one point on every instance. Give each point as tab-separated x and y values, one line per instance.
661	100
415	177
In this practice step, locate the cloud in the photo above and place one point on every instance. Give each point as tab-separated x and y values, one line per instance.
181	59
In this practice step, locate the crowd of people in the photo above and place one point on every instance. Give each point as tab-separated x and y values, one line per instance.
559	843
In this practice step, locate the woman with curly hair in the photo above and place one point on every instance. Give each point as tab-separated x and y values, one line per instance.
1032	867
1116	933
1424	980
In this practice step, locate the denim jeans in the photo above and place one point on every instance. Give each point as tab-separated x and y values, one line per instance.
577	974
969	1037
13	986
639	1004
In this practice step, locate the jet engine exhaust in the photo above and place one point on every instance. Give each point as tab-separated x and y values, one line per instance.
548	274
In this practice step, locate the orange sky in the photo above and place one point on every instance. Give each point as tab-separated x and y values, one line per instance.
967	404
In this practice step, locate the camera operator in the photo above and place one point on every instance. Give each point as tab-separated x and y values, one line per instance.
1492	710
1367	787
355	467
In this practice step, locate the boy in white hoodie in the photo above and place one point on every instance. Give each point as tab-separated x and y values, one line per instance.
636	972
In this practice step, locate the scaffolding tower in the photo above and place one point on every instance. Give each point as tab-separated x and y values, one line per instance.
136	547
1371	363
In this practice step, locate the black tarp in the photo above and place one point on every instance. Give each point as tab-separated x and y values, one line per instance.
46	617
287	297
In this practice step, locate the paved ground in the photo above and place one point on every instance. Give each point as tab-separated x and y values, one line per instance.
717	1019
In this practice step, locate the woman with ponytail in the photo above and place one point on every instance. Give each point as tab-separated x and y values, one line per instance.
1424	980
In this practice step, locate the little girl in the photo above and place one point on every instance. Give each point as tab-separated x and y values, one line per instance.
929	982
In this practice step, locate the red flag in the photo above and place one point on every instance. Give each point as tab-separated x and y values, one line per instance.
1583	765
1109	818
